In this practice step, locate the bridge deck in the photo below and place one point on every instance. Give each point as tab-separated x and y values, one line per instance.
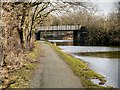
59	28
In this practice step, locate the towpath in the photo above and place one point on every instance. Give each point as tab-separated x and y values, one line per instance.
53	72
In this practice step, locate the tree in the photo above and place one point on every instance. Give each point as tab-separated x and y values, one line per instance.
20	20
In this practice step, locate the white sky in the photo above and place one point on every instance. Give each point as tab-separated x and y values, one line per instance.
106	6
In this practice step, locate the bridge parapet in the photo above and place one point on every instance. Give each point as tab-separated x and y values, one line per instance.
79	32
59	28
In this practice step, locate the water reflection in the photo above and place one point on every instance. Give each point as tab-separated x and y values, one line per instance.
106	66
77	49
62	42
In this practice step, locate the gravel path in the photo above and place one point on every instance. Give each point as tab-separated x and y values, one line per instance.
53	72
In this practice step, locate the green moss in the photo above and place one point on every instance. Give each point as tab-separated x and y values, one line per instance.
81	69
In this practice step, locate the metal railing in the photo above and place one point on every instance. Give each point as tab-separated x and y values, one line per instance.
59	28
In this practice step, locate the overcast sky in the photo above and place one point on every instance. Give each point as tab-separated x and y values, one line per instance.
106	6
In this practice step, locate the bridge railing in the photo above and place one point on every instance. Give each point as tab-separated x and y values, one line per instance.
55	28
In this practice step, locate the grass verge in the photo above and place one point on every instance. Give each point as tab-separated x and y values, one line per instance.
21	77
81	69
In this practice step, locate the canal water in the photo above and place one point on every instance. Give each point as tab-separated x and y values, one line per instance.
106	66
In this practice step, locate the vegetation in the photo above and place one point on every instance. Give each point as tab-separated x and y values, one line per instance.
102	30
21	77
113	54
21	19
19	25
81	69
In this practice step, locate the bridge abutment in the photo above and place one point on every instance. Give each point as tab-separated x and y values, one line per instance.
76	38
79	37
38	35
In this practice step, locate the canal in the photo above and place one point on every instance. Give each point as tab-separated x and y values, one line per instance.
102	59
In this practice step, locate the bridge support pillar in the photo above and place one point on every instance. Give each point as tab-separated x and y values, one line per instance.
76	38
38	35
79	37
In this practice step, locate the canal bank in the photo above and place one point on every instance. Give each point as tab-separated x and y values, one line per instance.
52	72
101	59
81	69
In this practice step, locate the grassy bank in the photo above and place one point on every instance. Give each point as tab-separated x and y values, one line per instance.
21	77
112	54
81	69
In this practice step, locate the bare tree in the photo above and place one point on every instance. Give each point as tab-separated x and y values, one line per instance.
20	21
